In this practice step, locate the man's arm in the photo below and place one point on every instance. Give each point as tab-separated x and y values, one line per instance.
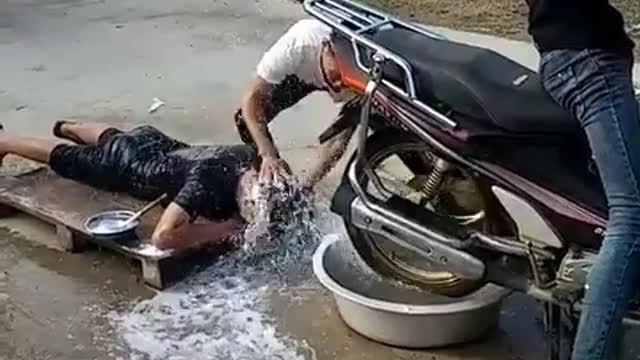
175	231
334	146
330	153
253	104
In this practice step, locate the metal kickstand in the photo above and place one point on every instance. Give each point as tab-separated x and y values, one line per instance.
560	327
553	329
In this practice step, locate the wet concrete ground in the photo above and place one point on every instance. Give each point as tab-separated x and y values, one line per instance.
104	61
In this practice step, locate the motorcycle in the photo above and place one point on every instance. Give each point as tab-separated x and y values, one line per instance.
472	174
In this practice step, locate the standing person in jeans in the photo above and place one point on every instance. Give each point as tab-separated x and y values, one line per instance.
586	66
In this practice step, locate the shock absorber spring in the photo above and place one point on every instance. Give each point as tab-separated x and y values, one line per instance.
434	179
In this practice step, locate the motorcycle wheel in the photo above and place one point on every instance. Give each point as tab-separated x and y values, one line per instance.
391	260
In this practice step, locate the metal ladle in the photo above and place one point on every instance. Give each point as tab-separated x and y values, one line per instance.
112	223
143	211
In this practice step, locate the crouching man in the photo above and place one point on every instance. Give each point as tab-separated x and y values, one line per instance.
204	184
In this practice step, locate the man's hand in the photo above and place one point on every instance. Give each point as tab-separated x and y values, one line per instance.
273	168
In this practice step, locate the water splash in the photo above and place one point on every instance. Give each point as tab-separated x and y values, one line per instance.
223	311
284	219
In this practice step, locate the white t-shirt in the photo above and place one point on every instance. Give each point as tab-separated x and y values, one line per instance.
296	52
293	63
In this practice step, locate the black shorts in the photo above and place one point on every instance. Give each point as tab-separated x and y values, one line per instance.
107	165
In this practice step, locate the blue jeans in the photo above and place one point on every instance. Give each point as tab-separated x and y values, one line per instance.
595	86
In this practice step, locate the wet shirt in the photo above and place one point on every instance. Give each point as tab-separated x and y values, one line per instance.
202	180
146	163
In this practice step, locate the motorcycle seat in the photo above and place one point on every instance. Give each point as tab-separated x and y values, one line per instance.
476	82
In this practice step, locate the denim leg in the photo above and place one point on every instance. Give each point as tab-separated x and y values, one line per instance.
596	87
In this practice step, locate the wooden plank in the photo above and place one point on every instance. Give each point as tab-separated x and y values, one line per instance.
67	204
69	239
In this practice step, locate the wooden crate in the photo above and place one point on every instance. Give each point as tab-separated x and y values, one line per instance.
66	205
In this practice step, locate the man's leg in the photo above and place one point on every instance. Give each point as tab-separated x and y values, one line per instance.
596	87
36	149
79	132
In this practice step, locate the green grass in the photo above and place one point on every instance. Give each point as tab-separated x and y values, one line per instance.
506	18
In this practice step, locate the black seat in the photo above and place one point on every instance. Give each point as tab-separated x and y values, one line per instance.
476	82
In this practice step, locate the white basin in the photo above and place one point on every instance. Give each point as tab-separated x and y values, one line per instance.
391	313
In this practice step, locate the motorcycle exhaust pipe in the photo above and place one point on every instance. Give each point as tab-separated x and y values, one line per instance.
375	218
426	243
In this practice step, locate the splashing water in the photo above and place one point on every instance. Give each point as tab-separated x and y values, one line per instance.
222	312
283	221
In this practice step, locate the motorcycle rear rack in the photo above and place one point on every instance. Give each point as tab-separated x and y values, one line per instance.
363	20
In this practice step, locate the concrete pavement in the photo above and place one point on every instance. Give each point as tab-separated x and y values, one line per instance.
104	61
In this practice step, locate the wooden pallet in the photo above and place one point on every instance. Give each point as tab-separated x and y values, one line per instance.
66	205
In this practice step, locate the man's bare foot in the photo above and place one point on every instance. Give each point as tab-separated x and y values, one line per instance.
3	153
60	130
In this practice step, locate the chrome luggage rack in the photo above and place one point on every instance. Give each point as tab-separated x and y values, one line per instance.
355	20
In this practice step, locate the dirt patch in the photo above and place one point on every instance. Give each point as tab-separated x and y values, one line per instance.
506	18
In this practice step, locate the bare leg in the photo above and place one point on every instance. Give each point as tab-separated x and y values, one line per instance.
36	149
83	133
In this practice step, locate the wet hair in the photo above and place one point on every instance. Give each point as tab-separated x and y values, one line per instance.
283	209
289	207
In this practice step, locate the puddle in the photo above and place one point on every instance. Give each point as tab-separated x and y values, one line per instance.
219	314
222	312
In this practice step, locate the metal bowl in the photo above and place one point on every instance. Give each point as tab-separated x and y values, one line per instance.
102	225
392	313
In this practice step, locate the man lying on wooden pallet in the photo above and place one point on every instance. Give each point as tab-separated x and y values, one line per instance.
204	184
